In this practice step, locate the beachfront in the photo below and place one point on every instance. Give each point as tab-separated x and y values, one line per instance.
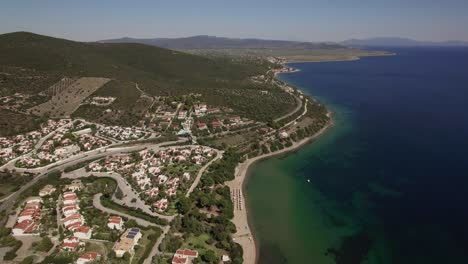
244	235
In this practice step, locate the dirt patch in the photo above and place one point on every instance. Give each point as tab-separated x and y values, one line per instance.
67	96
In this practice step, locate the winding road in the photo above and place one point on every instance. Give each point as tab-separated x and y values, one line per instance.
97	203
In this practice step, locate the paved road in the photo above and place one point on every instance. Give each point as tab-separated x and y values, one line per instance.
298	107
44	138
127	190
86	156
99	206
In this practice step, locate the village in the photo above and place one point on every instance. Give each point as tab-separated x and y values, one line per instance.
60	222
121	194
157	176
60	139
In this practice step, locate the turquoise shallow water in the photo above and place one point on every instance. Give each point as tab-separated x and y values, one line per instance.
387	182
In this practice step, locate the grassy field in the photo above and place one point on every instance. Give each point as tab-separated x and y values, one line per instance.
201	244
122	108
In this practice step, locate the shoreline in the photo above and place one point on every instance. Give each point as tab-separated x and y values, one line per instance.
354	58
244	235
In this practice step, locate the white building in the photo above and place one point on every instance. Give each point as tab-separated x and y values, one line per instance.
87	257
83	232
115	222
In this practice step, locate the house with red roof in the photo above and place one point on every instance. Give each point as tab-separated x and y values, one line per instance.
70	244
201	126
216	124
83	232
184	256
73	221
213	110
115	222
161	205
87	257
70	210
24	227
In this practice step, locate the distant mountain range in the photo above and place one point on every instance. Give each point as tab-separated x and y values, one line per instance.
211	42
399	42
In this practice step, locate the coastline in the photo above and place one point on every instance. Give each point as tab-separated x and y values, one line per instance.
244	235
354	58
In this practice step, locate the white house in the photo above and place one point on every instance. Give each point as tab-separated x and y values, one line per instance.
87	257
83	232
127	242
47	190
115	222
24	227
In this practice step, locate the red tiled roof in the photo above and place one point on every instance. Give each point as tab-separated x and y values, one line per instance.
72	217
187	252
23	224
177	260
191	253
115	220
83	229
74	225
30	228
73	245
90	255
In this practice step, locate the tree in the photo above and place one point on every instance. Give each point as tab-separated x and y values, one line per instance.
131	223
27	260
209	257
119	193
207	181
44	245
126	256
183	205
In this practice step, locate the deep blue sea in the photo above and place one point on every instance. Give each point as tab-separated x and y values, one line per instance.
389	181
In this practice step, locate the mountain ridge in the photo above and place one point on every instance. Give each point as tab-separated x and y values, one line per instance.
214	42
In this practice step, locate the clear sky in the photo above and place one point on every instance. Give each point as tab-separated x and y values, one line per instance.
305	20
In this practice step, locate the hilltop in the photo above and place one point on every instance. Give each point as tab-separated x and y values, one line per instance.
165	70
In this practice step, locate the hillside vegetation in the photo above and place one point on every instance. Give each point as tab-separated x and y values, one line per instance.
30	63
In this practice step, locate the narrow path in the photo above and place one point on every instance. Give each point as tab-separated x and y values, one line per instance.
155	250
219	154
175	116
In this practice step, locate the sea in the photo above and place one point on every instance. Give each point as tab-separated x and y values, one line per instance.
388	183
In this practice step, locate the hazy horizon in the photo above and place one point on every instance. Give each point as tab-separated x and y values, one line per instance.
298	20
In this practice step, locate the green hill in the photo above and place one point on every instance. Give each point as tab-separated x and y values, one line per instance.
130	61
30	63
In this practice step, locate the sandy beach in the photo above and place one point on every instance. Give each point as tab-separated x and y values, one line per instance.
244	236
